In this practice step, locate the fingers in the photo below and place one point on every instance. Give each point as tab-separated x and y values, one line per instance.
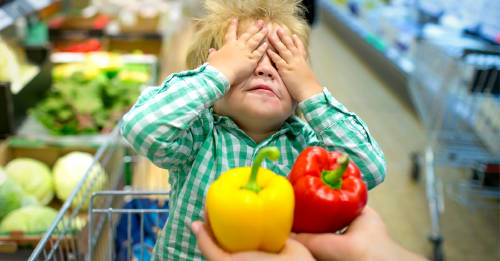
276	58
300	46
323	246
257	38
294	250
259	52
367	221
280	46
286	39
252	31
231	34
206	243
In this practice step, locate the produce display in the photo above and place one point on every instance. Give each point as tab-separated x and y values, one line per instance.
14	67
35	220
329	191
11	194
27	185
91	96
90	45
31	219
33	176
69	171
251	208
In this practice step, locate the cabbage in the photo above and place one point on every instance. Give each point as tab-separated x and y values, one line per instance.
29	200
69	171
31	219
33	176
11	194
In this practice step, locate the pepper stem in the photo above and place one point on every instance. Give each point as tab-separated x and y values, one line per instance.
333	178
267	152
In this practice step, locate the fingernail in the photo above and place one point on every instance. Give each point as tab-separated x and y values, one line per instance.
280	30
260	22
195	227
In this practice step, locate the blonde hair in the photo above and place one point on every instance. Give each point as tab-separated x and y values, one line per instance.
213	26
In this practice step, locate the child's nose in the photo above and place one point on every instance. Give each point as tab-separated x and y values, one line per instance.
265	68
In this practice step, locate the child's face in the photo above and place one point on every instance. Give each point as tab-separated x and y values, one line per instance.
261	97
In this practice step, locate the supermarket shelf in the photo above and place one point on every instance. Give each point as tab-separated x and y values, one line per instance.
66	57
19	8
14	105
394	70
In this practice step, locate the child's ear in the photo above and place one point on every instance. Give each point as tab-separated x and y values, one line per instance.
210	53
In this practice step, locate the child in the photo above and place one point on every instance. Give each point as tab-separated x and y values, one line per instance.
251	73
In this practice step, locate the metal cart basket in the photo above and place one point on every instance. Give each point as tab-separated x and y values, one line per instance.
456	92
106	210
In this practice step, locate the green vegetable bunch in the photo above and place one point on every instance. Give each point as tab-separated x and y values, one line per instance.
89	99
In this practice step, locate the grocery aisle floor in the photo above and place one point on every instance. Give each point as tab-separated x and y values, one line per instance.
469	234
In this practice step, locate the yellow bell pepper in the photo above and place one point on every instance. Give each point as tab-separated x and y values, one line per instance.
251	208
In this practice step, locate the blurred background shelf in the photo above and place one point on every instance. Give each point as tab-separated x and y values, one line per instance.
393	68
11	10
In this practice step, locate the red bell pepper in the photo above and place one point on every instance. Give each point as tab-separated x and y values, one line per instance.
329	191
90	45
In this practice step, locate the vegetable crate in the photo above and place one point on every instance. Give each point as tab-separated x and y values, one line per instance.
124	215
90	93
17	245
61	242
455	88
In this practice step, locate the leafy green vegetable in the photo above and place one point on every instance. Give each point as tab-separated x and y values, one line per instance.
86	98
36	220
11	194
31	219
70	169
33	176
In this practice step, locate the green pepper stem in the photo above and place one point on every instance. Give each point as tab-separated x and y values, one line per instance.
333	178
267	152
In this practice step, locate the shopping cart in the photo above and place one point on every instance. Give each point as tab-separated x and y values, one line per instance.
107	207
455	89
130	230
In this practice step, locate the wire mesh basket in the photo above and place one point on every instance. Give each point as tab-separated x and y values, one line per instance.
127	227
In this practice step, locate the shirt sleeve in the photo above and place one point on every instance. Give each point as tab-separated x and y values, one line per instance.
168	123
337	129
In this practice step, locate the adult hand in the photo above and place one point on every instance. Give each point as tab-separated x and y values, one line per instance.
367	238
290	59
212	252
239	55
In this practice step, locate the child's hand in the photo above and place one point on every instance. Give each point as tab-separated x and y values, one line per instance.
239	56
290	60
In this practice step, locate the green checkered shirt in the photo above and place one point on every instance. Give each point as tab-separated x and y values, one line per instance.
175	127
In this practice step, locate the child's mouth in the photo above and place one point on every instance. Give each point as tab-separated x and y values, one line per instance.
263	89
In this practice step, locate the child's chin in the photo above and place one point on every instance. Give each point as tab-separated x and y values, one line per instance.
267	113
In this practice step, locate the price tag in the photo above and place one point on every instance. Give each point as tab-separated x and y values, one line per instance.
39	4
5	19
